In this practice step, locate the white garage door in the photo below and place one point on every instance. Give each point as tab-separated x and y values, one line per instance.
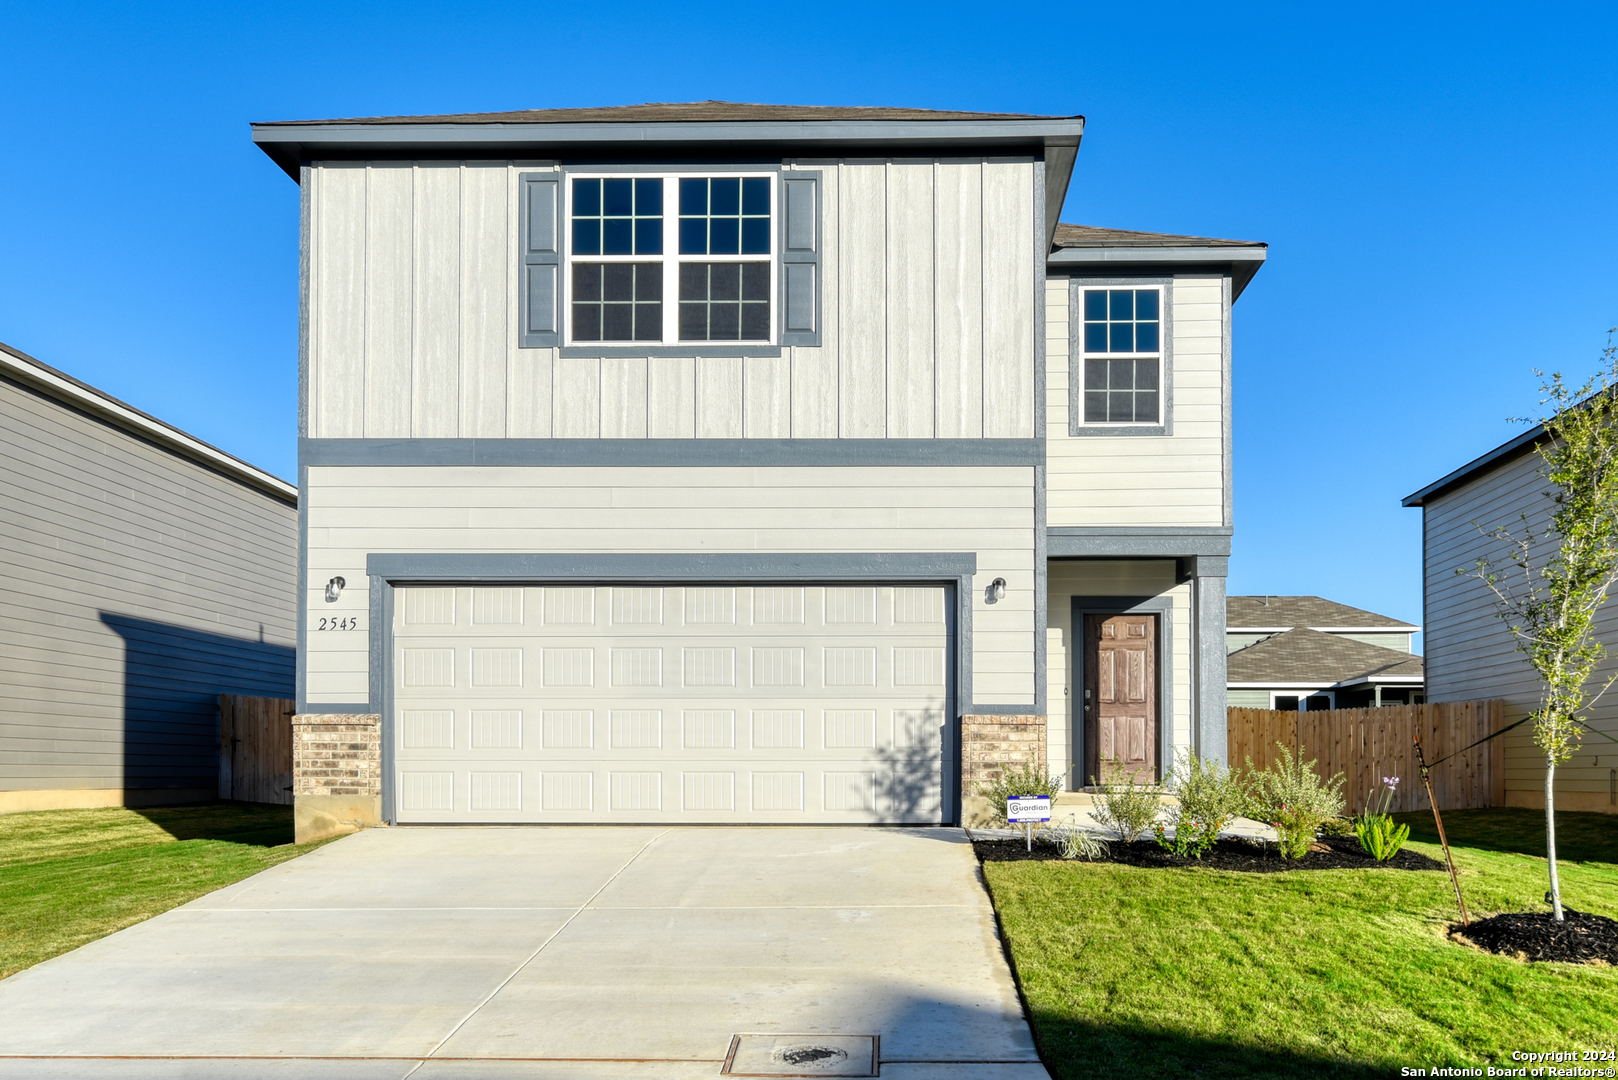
717	703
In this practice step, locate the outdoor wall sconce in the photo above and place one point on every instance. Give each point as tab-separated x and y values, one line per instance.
997	590
334	589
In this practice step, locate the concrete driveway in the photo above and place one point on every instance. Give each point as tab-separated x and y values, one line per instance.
550	952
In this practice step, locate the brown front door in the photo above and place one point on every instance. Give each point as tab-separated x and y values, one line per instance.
1120	696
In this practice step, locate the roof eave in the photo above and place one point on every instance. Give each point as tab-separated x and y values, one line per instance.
1381	680
1232	628
62	387
1508	451
1280	684
291	143
1244	261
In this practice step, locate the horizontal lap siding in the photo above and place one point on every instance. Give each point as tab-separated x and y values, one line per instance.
135	587
354	512
1470	653
927	309
1144	480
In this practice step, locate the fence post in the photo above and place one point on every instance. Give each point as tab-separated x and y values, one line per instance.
227	734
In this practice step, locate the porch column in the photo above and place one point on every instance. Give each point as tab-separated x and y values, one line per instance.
1209	724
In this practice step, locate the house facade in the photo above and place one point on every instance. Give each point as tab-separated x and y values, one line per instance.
1307	653
1471	654
143	573
732	463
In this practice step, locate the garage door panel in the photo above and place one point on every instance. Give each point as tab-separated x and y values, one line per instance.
711	703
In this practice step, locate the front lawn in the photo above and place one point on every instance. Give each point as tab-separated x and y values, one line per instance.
68	877
1130	971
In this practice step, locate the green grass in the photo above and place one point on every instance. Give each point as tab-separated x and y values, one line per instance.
68	877
1343	973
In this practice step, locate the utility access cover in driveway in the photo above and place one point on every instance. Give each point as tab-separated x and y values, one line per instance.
801	1055
549	953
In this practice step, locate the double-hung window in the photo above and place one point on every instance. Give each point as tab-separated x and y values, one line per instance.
1121	357
669	260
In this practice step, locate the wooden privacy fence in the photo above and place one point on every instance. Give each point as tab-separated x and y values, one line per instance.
1367	744
255	749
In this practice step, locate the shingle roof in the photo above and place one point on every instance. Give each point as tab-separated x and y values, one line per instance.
1069	235
677	111
1305	657
1288	611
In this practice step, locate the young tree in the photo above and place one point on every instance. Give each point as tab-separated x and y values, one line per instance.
1553	580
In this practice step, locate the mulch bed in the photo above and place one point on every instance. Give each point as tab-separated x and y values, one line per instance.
1581	938
1336	853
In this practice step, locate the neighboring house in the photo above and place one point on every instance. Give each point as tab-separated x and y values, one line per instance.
742	463
143	573
1303	652
1471	654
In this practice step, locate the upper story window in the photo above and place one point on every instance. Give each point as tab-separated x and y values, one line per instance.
713	246
1122	356
677	262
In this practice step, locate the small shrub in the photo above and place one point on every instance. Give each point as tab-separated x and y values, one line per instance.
1078	844
1293	799
1027	780
1337	826
1129	808
1211	796
1377	833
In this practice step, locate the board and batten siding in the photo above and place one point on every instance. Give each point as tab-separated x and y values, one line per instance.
358	511
1176	479
927	309
1078	577
1470	655
135	587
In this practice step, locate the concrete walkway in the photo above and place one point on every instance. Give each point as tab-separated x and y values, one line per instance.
489	953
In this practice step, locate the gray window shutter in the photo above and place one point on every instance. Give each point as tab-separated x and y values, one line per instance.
801	243
541	260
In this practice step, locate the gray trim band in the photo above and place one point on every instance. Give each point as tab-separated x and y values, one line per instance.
690	349
313	136
1137	542
300	664
1210	254
660	567
643	453
1209	720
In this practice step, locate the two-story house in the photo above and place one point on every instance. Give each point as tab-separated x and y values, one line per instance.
744	463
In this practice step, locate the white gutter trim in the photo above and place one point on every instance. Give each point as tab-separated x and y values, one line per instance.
25	369
1272	685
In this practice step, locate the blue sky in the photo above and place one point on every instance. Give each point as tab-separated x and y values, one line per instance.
1437	186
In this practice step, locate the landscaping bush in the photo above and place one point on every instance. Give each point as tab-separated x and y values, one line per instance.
1211	796
1294	800
1027	780
1078	844
1377	833
1128	808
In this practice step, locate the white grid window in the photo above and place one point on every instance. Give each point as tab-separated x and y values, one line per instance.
666	260
1122	360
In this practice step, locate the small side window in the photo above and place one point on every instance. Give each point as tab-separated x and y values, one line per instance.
1122	362
1120	374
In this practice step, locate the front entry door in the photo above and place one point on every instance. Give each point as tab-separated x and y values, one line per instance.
1120	696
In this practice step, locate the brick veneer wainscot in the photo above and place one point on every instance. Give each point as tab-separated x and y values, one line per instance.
989	743
337	754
